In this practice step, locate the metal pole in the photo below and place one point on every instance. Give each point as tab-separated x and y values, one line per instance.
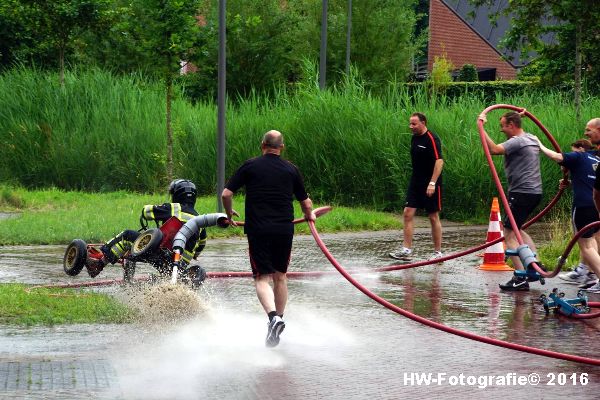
348	37
221	102
323	58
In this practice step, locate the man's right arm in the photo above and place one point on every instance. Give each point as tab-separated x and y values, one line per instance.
495	149
152	212
227	199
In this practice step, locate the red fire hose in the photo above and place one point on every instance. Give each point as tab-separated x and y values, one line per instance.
436	325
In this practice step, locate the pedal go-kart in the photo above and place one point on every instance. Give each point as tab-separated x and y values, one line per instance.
153	246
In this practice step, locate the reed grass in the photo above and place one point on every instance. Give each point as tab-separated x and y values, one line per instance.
104	133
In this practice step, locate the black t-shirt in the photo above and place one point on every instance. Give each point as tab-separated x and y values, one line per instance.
271	185
425	150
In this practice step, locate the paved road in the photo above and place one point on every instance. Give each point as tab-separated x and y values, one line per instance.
337	343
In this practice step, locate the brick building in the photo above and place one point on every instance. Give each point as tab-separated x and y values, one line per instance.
465	35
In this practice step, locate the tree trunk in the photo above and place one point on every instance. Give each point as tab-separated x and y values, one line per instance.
578	73
169	130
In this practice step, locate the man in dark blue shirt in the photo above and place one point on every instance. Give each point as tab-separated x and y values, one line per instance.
583	167
271	185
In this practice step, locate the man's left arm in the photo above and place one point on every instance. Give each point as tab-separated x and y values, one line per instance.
596	196
300	193
596	193
437	171
437	166
307	210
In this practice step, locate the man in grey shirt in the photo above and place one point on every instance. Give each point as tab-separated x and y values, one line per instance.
522	167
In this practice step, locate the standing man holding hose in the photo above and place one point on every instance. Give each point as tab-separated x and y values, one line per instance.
271	184
522	168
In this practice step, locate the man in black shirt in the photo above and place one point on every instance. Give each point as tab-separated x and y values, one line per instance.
425	188
271	184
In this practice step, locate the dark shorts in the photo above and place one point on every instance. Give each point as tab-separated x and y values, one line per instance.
581	216
269	253
521	205
416	197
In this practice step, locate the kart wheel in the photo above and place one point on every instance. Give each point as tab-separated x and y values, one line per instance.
128	271
75	257
146	243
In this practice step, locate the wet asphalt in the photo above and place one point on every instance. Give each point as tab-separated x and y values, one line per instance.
337	343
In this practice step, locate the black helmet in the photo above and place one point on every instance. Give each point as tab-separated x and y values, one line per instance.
183	191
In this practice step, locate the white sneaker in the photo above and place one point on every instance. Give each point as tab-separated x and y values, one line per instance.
589	280
593	289
578	276
401	254
436	255
275	327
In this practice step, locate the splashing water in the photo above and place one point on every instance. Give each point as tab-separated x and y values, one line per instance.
221	354
165	302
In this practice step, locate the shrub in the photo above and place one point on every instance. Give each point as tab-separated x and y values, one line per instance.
468	73
440	73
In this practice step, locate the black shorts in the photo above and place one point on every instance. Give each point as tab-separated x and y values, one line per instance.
581	216
416	197
269	253
521	205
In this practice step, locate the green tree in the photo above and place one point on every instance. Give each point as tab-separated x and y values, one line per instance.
382	41
167	32
15	37
58	23
115	44
266	42
574	23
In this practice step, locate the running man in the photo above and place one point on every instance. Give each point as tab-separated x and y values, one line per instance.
271	184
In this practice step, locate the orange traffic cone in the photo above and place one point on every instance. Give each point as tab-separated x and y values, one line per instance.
493	258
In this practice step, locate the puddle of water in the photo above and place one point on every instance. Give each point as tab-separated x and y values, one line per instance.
9	215
338	342
200	358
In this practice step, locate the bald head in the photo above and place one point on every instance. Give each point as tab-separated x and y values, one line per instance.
594	122
592	130
272	140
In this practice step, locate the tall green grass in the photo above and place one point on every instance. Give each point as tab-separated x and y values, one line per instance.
101	132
